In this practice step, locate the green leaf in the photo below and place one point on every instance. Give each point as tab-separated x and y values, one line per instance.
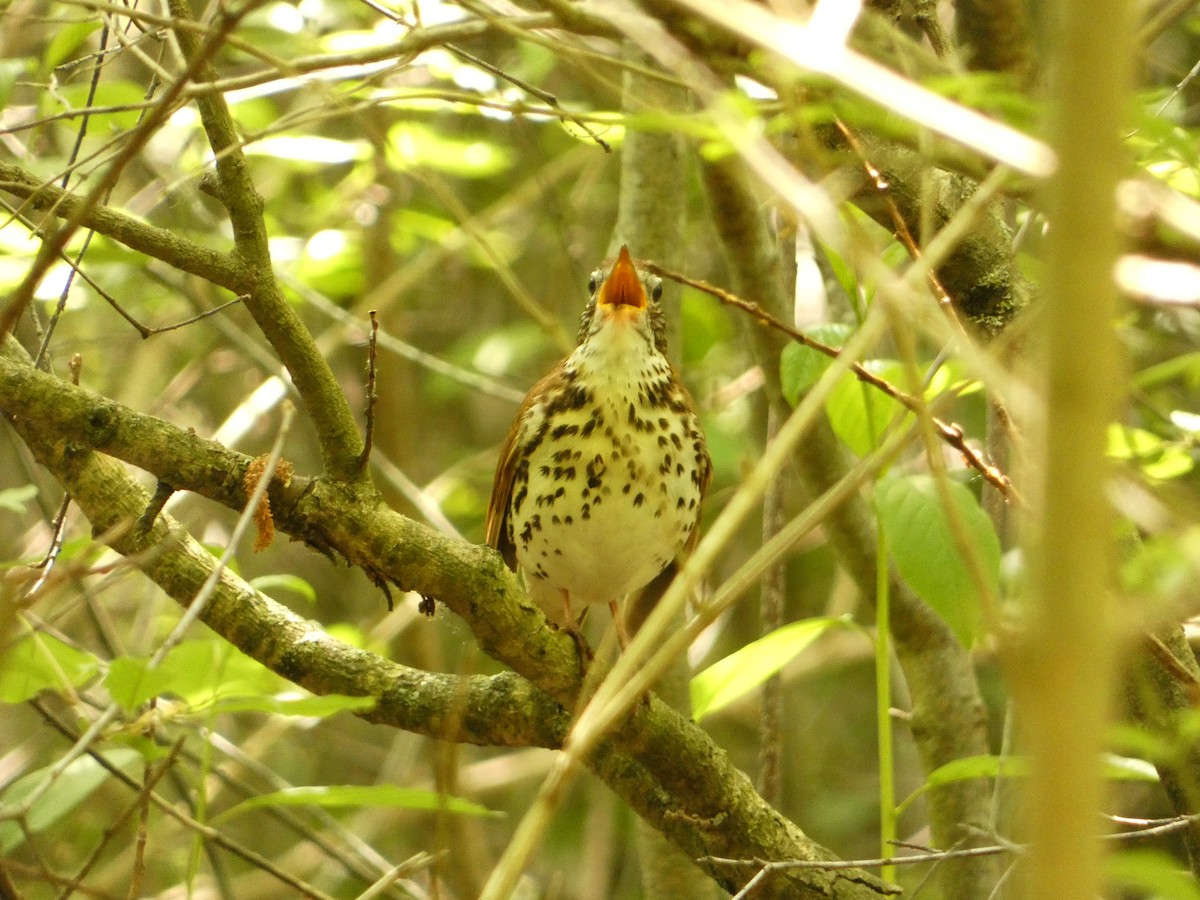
1132	443
123	98
1157	458
801	366
1152	873
195	671
1184	367
922	542
1116	768
846	274
66	40
745	669
41	662
78	781
859	412
285	582
17	499
356	796
1128	768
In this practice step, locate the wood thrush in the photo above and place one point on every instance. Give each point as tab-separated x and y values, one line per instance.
600	481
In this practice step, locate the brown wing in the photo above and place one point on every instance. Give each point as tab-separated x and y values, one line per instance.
496	528
705	479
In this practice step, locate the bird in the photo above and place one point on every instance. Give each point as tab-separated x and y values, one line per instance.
600	481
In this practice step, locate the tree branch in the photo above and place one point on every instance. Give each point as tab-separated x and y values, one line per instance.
160	243
668	770
341	443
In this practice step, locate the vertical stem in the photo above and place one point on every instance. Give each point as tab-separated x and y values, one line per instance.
883	707
1065	677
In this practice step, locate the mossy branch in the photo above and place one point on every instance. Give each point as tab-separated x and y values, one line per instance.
668	770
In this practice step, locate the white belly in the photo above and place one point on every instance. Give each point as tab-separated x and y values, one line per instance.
604	517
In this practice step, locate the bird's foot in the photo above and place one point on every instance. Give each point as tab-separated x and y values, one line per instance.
581	644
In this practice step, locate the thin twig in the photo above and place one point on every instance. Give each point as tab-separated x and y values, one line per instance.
153	774
951	433
925	855
135	140
372	394
206	831
898	224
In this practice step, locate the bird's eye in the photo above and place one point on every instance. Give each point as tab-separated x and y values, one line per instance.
592	285
656	291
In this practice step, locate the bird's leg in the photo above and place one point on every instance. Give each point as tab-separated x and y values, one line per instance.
622	634
576	632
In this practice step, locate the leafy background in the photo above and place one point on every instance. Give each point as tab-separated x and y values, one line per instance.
467	212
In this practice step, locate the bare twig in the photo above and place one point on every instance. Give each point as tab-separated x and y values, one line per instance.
951	432
206	831
899	226
54	242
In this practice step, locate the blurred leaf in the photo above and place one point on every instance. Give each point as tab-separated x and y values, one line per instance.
1156	457
145	746
1152	873
1126	768
17	499
412	146
285	582
801	366
79	549
10	71
1185	366
120	94
1116	768
923	544
195	671
293	704
745	669
989	92
320	151
348	634
332	263
78	781
355	796
705	325
1163	566
67	39
844	273
410	226
1134	740
1132	443
41	662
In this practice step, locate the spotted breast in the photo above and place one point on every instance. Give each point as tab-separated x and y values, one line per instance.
600	483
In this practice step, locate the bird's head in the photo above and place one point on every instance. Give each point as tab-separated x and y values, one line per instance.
621	292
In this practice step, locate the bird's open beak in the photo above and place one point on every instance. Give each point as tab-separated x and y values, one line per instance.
623	287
